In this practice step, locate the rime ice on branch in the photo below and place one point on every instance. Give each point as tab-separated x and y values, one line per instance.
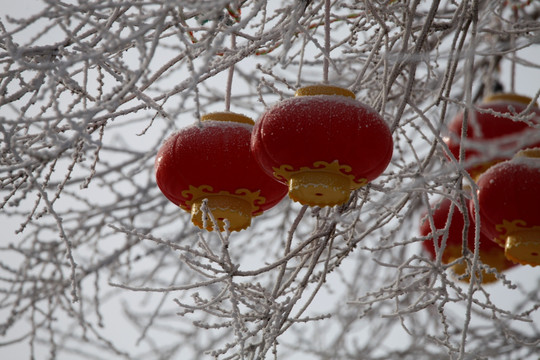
88	92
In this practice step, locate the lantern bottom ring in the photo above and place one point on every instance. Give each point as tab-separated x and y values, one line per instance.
494	259
319	188
524	247
236	211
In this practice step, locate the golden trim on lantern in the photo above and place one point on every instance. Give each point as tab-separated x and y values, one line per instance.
330	182
203	191
228	116
322	89
451	254
235	210
478	170
529	153
507	228
508	97
493	258
521	242
237	207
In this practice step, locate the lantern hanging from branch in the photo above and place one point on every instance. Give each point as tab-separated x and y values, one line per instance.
509	206
323	144
492	133
489	253
211	163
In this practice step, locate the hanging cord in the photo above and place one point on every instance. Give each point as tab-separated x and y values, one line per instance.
235	14
230	77
513	57
326	58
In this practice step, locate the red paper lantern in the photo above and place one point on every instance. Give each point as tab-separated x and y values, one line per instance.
323	144
509	206
212	160
490	253
492	137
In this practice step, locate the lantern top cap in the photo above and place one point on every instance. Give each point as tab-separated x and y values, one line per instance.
508	97
228	116
530	153
323	89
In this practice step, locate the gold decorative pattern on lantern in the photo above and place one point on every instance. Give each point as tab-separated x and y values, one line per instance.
205	191
323	89
477	171
323	184
521	242
507	228
528	153
228	116
285	172
492	258
508	97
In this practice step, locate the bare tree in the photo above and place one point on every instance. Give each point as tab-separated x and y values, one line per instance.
103	266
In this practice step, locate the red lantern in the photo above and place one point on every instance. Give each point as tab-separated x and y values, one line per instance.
492	136
212	160
509	206
323	144
490	253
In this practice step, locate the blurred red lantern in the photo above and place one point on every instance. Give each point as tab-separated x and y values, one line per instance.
509	206
323	144
212	160
490	253
516	4
492	136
